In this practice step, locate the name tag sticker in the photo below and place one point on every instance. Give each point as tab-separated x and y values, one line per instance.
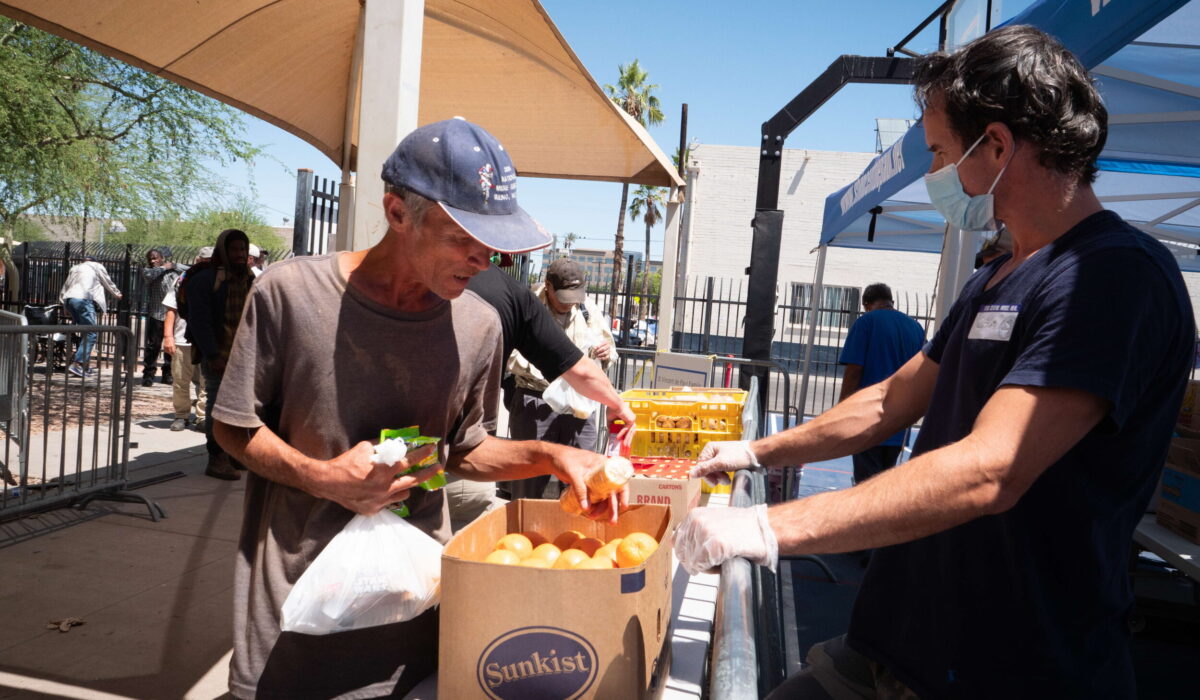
994	322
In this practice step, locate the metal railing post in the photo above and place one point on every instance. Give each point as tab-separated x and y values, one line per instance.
708	308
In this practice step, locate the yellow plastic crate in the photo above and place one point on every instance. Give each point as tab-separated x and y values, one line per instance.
679	423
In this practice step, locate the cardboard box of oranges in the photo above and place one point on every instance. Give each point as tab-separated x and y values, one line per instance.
546	626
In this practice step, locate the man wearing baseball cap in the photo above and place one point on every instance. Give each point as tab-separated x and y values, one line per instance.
529	416
334	348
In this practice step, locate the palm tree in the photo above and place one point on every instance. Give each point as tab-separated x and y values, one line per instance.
636	97
645	205
569	242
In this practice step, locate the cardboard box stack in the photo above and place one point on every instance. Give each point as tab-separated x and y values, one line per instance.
664	481
1179	504
524	632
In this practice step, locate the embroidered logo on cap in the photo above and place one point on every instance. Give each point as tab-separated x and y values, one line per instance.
486	174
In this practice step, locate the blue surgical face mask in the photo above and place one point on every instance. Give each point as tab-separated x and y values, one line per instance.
962	211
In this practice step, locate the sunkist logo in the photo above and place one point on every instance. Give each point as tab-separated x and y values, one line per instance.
537	662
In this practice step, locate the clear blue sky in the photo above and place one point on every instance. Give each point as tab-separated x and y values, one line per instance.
734	64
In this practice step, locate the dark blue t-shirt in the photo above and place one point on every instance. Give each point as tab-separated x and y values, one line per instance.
1031	603
881	341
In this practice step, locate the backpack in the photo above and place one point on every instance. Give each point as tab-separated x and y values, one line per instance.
181	303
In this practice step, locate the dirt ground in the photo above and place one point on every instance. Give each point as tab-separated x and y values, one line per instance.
59	403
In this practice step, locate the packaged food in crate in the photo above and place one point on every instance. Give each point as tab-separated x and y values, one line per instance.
680	422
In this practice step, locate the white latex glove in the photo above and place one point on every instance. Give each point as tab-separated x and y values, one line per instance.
719	457
707	537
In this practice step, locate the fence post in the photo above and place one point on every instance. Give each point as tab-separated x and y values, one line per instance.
23	292
301	224
708	308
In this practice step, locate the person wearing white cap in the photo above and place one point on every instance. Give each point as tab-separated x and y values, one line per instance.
256	260
331	350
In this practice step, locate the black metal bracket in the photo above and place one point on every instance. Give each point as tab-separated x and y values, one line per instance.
768	224
844	70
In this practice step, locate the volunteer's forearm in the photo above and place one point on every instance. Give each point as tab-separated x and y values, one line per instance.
261	450
497	459
863	420
586	377
169	324
926	495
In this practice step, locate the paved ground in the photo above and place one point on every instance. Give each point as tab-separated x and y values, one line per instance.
155	597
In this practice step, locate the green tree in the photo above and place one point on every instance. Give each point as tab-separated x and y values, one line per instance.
635	95
200	226
89	137
646	206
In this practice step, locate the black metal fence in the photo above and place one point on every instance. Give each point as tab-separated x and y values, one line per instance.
315	225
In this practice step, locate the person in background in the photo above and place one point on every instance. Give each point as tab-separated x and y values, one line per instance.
878	344
529	416
1049	394
215	296
528	326
256	260
83	294
185	372
158	277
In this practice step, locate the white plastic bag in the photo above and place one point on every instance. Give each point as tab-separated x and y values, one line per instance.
378	570
563	399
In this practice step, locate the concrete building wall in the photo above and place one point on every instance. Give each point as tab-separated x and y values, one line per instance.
722	200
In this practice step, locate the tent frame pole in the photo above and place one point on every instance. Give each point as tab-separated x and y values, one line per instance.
817	293
345	223
391	93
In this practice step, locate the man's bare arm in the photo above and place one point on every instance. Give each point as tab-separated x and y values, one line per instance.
586	377
1018	435
851	380
496	459
863	420
348	479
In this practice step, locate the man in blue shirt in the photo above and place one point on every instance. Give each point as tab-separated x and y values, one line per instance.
1049	396
878	344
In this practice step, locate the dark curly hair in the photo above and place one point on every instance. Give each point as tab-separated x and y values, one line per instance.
1024	78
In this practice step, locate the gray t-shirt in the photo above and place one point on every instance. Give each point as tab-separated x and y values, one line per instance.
325	367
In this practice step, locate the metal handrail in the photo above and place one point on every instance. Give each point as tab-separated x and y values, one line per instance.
734	665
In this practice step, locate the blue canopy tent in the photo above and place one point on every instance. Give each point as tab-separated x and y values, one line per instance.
1146	60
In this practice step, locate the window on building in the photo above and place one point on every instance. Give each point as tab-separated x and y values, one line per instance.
838	308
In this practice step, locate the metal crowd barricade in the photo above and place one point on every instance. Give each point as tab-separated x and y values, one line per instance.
66	440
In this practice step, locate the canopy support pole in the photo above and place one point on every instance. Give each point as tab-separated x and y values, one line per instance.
813	319
957	264
391	89
345	223
666	290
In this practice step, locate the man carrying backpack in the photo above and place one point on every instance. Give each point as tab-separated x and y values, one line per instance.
212	304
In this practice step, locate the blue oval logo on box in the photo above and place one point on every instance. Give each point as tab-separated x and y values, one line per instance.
537	662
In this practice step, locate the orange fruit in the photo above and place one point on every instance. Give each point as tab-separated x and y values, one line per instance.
516	543
535	562
534	538
609	550
503	556
589	545
566	540
595	563
570	558
635	548
546	551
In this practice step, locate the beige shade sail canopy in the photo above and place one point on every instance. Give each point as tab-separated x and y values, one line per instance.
500	63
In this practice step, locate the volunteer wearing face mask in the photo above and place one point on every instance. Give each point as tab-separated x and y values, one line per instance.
1048	397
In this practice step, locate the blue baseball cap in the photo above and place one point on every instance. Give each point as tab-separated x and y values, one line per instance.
467	172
